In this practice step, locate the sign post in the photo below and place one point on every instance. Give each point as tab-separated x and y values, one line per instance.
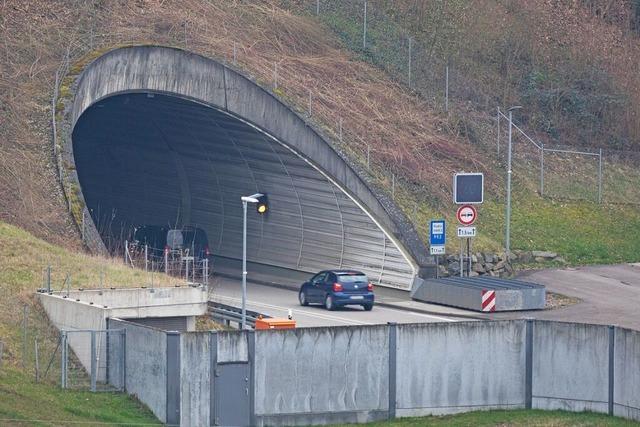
437	240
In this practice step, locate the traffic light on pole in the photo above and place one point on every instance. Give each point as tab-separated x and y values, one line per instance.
262	207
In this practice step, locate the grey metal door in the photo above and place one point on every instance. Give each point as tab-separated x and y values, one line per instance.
231	389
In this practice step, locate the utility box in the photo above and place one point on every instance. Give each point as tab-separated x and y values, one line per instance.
274	323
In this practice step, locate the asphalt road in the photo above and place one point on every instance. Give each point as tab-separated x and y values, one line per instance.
276	302
608	294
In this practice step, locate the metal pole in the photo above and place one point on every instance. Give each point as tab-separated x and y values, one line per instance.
364	31
244	265
368	156
507	238
83	230
600	176
186	271
37	360
498	142
393	186
468	256
235	54
309	103
409	61
275	75
340	129
317	7
146	257
63	360
461	259
94	360
25	323
446	89
166	261
126	250
1	349
48	278
541	170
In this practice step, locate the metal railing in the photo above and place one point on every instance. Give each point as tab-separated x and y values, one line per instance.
230	314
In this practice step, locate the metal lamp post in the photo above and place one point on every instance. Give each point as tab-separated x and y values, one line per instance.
508	212
245	199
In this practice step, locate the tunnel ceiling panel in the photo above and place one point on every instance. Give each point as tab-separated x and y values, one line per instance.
154	159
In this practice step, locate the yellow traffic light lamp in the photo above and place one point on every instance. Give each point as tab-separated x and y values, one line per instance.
262	207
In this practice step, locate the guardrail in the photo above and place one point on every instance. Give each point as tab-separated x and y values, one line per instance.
228	314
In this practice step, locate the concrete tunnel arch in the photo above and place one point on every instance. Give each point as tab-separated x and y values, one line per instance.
161	135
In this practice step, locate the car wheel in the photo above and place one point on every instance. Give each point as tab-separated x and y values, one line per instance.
368	307
328	303
302	297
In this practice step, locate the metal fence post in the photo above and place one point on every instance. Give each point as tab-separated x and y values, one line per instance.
528	365
235	54
498	139
126	250
612	343
600	176
275	75
213	369
541	170
25	325
368	156
393	186
1	350
364	29
309	110
37	360
146	257
83	226
94	367
393	365
317	7
48	278
409	61
446	89
63	359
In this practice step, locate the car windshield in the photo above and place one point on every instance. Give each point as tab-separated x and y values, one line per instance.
352	278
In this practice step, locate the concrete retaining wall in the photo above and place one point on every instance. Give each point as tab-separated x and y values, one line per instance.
363	373
570	366
321	375
145	365
627	374
455	367
195	378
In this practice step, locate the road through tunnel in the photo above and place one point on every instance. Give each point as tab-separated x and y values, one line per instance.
145	155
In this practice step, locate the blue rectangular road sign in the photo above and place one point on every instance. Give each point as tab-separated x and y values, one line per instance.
437	235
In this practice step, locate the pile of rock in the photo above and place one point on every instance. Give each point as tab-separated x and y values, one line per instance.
494	264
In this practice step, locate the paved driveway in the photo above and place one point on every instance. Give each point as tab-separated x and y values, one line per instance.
609	294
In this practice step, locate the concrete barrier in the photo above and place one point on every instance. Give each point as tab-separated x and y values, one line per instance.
570	366
364	373
321	375
456	367
145	365
626	384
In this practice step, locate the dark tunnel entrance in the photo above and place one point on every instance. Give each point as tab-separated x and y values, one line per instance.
149	159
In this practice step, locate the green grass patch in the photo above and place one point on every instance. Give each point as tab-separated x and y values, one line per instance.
23	402
511	418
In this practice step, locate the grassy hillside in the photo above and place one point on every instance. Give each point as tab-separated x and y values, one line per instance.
398	134
22	260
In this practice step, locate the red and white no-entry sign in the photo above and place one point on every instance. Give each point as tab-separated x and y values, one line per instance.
467	214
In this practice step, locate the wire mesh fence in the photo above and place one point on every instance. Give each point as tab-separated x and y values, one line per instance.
92	360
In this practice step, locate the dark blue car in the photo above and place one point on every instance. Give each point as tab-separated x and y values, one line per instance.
337	288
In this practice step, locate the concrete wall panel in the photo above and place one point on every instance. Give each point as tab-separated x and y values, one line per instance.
313	375
627	374
456	367
195	379
232	347
570	366
146	365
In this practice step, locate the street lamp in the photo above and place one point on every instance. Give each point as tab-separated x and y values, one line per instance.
254	198
508	213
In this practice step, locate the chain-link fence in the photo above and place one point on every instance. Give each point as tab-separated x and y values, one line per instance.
96	362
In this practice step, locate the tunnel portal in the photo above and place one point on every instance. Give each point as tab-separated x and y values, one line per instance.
165	137
153	159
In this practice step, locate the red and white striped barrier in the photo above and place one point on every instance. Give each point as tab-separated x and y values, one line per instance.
488	300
